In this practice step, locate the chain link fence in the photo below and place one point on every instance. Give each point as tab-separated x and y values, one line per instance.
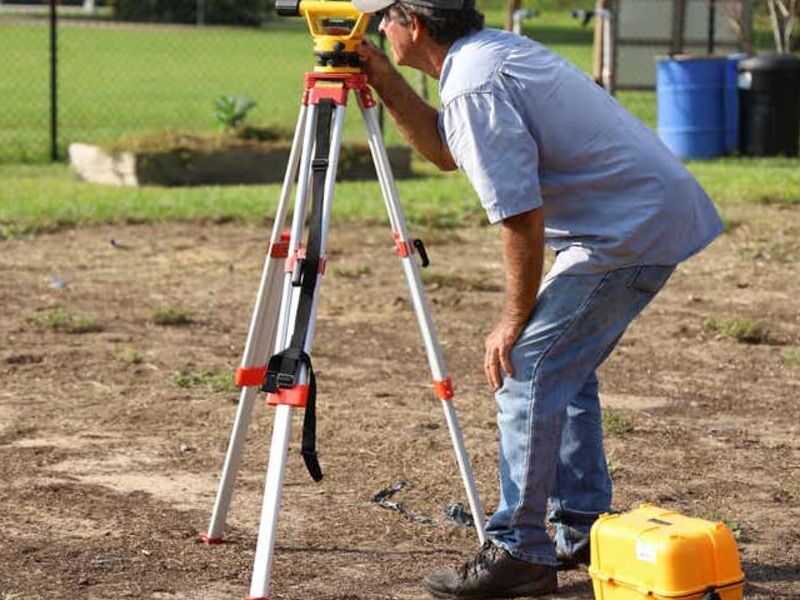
89	71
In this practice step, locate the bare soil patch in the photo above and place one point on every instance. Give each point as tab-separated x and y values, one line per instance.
113	427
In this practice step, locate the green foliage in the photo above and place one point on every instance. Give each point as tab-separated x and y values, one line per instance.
743	330
61	320
217	12
357	273
612	465
172	317
436	280
231	111
218	382
617	423
736	529
791	356
129	356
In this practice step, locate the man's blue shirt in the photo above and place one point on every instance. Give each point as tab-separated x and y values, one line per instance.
529	130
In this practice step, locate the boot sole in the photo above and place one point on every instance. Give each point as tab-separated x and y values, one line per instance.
522	591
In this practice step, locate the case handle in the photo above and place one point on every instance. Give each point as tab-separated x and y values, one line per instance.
711	594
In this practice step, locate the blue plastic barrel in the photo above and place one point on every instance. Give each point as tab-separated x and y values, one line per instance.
732	101
691	106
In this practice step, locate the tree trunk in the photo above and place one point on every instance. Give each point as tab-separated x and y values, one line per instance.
511	7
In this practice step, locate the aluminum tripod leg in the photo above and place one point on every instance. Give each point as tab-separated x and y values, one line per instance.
262	567
432	347
260	342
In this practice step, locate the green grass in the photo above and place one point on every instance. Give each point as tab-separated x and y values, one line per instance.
743	330
747	180
171	316
355	273
42	198
435	280
128	356
123	80
617	423
129	79
115	81
216	381
791	356
133	79
59	319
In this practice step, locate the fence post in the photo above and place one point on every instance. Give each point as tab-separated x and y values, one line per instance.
53	81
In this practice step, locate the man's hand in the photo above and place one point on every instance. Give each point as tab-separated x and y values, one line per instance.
523	251
375	64
498	352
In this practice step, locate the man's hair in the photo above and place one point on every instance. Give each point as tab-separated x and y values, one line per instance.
444	26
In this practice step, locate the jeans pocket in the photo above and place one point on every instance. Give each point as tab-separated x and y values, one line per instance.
650	279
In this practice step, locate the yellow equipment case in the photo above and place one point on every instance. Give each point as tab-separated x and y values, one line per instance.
659	554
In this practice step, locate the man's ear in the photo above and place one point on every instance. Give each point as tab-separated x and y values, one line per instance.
416	27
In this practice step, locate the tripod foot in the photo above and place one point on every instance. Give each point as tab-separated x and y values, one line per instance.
208	540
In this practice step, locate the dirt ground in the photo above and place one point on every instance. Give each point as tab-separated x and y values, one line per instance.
113	427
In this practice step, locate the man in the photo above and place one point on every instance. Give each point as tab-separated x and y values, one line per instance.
554	159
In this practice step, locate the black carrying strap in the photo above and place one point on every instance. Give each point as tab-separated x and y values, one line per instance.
284	367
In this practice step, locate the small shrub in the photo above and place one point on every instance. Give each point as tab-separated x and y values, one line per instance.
356	273
792	489
735	527
59	319
459	283
173	317
730	225
612	465
791	356
128	356
82	324
617	423
231	111
218	382
743	330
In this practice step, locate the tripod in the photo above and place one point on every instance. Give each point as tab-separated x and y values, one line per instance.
286	305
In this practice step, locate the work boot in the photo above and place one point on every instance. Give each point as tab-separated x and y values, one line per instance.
567	562
493	573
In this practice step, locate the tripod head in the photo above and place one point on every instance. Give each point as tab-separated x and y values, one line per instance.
337	28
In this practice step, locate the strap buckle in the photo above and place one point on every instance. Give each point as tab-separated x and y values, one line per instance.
276	381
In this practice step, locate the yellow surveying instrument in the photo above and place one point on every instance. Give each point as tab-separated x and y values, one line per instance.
337	28
277	354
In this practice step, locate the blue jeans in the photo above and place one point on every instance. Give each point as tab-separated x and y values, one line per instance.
551	434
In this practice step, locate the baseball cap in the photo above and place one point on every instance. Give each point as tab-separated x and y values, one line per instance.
371	6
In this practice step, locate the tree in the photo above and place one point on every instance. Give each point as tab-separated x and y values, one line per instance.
739	16
784	15
511	7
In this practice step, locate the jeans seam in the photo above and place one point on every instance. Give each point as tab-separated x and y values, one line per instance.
514	516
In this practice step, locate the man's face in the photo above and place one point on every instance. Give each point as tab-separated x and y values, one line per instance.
400	37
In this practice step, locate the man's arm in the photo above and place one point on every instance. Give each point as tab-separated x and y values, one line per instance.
523	253
416	119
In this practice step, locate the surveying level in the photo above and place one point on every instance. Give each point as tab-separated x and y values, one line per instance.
337	28
277	354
